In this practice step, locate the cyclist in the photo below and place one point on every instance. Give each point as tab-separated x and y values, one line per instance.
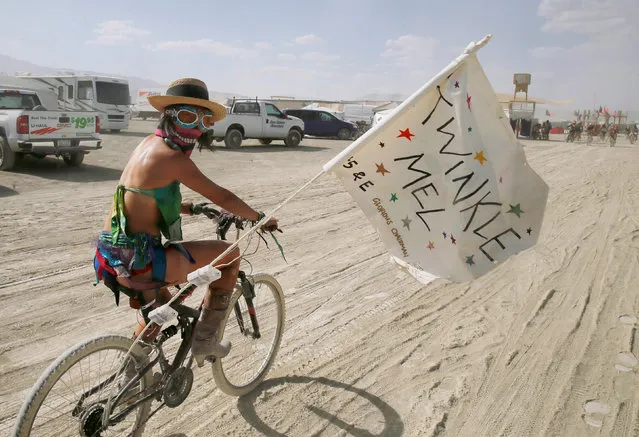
130	256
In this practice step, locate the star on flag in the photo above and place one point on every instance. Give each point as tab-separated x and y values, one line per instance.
405	134
516	209
406	222
381	169
479	156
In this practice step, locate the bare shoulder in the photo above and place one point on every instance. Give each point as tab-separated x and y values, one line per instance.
153	163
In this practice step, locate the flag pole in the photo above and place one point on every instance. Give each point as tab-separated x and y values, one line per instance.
470	50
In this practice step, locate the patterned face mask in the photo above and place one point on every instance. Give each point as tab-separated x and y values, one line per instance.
189	117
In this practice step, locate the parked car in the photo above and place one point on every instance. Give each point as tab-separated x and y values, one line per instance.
27	128
323	124
257	119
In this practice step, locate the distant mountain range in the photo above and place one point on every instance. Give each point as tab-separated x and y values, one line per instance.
11	66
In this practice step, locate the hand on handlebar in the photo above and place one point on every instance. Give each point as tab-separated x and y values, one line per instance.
202	208
225	218
271	225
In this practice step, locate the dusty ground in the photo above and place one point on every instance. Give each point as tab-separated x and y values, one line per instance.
367	351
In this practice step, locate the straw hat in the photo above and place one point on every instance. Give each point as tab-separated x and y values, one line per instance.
188	91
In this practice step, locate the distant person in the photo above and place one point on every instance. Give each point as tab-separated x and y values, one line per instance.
147	204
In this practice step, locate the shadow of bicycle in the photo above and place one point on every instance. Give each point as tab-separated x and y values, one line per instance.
393	424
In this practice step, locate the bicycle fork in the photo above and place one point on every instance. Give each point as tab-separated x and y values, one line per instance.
248	291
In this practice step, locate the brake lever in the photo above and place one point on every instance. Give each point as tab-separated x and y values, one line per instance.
199	208
209	214
239	223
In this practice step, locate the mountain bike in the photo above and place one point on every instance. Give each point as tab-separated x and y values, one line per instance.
104	386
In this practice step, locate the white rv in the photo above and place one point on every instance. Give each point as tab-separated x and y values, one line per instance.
108	96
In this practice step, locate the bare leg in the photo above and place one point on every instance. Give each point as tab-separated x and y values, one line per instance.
178	267
216	300
163	296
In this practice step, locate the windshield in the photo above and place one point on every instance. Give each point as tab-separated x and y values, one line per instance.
273	110
9	100
112	93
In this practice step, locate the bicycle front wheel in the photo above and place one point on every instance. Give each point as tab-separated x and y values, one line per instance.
251	356
70	397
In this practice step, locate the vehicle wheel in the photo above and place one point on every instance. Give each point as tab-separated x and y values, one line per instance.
233	139
265	141
73	159
250	358
294	138
7	156
344	134
72	393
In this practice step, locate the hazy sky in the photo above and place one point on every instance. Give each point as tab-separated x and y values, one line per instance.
584	50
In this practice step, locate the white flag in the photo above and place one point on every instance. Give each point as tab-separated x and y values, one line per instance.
443	179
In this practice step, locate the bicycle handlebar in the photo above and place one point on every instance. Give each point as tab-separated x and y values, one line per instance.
224	219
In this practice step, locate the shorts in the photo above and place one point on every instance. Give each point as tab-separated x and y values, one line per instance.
130	256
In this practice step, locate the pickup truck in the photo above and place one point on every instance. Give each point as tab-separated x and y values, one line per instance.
260	120
27	128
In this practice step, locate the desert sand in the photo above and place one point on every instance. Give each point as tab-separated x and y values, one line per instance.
530	349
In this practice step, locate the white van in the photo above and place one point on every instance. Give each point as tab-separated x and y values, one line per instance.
355	112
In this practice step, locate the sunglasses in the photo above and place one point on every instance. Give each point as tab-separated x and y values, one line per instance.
189	117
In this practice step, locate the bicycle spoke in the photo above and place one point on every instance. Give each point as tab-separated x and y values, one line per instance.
87	379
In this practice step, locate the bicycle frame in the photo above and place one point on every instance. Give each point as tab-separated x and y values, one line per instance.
187	322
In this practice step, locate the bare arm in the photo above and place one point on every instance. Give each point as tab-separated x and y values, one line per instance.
191	176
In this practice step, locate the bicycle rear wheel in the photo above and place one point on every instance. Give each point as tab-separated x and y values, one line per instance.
251	358
70	397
